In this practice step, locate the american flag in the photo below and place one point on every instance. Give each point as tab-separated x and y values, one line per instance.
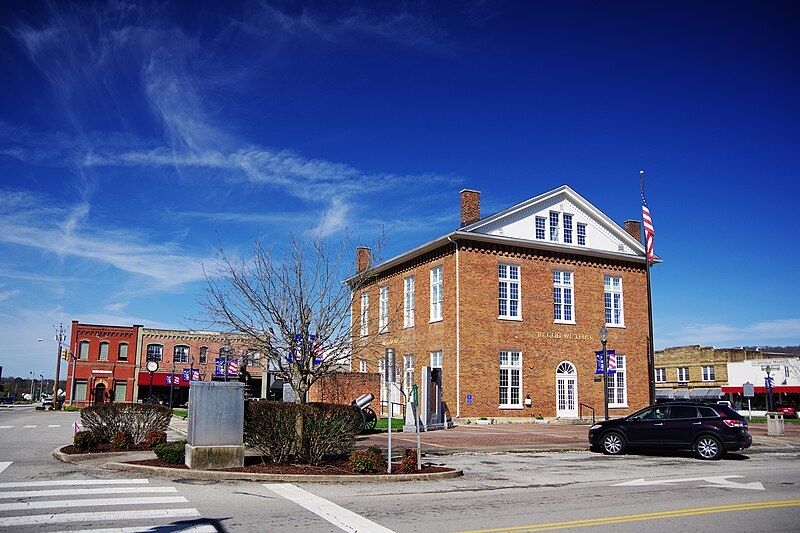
233	366
649	231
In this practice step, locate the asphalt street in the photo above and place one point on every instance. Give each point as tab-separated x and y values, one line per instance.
516	492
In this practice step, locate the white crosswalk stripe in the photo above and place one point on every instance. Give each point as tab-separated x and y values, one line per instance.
54	425
6	427
26	427
152	505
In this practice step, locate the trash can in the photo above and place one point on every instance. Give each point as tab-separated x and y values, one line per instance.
775	424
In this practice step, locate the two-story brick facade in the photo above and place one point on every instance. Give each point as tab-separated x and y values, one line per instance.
510	307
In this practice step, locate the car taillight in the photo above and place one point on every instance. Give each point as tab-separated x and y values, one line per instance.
734	423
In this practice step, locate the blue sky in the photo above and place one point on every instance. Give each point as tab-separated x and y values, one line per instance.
131	132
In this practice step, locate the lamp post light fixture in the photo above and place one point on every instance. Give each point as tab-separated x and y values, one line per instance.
604	340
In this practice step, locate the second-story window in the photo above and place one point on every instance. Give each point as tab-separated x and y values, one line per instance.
436	293
362	366
122	354
408	302
540	227
408	374
83	354
508	290
567	228
436	359
563	296
103	355
683	374
181	354
581	234
554	225
708	373
155	352
383	309
661	375
613	301
203	355
364	317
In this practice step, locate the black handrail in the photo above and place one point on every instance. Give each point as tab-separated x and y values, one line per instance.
580	411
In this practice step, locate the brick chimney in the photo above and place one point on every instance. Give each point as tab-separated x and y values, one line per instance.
363	258
470	206
634	229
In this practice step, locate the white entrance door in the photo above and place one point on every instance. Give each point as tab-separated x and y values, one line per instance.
566	391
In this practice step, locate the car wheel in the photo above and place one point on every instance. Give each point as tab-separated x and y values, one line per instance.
613	443
708	447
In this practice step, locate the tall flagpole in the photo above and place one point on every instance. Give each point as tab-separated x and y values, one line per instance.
651	372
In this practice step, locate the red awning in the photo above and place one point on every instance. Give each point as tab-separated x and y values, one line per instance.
160	379
763	390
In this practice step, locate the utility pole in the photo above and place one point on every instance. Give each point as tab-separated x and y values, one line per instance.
61	336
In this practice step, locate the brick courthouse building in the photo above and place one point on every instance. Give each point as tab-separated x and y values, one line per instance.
510	307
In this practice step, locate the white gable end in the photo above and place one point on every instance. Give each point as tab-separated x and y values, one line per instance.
520	222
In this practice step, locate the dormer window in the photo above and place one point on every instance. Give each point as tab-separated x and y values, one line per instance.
581	234
567	228
540	227
554	226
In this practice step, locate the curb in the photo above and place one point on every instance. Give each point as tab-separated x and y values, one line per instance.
285	478
69	457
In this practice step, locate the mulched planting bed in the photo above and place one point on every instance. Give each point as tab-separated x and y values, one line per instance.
104	448
253	465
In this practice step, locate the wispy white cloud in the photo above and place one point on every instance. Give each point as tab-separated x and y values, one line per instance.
757	333
5	295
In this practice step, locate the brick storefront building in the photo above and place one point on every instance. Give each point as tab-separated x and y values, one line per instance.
510	307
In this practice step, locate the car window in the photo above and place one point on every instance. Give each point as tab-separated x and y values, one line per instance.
682	411
707	412
654	413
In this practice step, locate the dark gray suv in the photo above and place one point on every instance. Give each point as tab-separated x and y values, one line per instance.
709	430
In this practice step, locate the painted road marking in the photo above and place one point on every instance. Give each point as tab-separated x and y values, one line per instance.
4	465
54	426
26	427
92	502
201	528
589	522
6	427
73	482
340	517
716	481
142	514
70	492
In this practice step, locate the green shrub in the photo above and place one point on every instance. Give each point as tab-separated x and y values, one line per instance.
173	453
87	440
155	437
71	408
123	440
108	419
329	429
270	428
409	463
369	461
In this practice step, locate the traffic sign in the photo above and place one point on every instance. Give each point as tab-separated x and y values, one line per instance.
469	399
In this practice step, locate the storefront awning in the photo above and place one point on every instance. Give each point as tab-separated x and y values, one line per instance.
706	393
681	395
762	390
162	379
664	394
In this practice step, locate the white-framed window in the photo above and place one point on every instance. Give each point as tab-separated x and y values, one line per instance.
661	375
581	234
615	315
203	355
103	355
180	354
408	302
83	353
508	290
408	374
563	307
510	378
362	366
541	222
436	359
122	352
567	228
79	394
383	309
617	385
683	374
155	352
364	317
554	225
436	294
708	373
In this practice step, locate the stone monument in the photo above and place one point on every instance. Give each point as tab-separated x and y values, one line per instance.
216	422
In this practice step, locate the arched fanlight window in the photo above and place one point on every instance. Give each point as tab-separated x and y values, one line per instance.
565	368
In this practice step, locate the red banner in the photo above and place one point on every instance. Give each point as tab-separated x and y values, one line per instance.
162	379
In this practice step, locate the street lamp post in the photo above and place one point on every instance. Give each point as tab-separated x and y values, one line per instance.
172	382
768	383
152	366
604	340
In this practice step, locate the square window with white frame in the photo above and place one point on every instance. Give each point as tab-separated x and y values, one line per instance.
510	379
612	300
554	225
383	309
683	374
708	373
508	291
581	234
618	385
661	375
563	297
436	294
541	226
436	359
408	302
567	228
362	366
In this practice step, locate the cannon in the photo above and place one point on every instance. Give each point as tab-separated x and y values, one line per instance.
368	417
